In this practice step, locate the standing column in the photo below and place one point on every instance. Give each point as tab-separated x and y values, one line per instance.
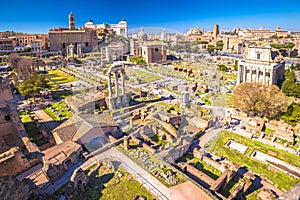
239	75
264	76
257	74
245	74
251	74
123	82
109	85
271	76
116	84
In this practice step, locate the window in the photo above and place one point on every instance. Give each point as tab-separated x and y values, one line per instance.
258	56
156	49
86	44
64	45
7	117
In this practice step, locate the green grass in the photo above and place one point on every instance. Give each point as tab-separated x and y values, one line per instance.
125	190
144	76
32	130
228	100
217	146
58	77
270	131
209	170
58	106
168	71
25	118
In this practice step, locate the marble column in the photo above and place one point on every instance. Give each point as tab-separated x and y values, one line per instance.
257	75
109	86
244	74
116	84
271	77
123	82
250	74
239	74
264	76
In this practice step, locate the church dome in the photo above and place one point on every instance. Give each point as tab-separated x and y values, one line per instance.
142	35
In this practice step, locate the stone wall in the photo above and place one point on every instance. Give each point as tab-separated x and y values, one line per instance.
191	170
9	136
60	40
11	188
14	162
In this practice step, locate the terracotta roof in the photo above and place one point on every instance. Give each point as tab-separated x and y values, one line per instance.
79	125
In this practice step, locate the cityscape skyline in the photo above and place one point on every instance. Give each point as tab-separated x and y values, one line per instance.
228	15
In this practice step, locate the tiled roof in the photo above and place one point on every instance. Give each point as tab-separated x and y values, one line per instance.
79	125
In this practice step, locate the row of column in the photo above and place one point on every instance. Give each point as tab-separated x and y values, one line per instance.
243	75
116	84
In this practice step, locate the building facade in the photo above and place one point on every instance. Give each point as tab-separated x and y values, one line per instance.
6	45
154	52
261	66
120	28
36	45
61	38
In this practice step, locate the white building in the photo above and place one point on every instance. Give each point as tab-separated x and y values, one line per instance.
120	28
36	45
261	66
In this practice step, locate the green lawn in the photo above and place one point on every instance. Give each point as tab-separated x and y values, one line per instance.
125	188
32	130
268	130
217	146
58	77
58	107
144	76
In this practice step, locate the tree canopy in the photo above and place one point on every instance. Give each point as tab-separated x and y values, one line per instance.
32	86
289	86
260	100
139	60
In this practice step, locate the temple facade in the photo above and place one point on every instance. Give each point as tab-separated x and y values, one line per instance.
261	66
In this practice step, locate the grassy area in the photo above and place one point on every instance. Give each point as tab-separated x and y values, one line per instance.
153	159
202	166
145	77
228	100
32	130
128	184
217	146
57	77
270	131
115	188
168	71
60	111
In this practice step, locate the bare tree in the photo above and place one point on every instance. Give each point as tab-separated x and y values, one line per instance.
262	100
24	68
14	59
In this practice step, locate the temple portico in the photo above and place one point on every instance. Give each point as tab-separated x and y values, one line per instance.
261	66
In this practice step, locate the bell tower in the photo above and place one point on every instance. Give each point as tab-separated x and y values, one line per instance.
71	21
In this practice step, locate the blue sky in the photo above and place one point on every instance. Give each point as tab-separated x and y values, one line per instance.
41	15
